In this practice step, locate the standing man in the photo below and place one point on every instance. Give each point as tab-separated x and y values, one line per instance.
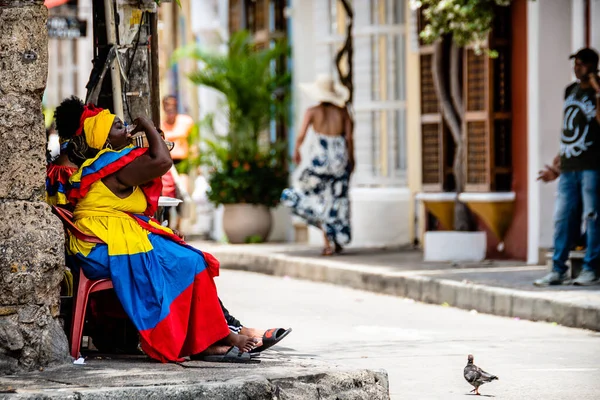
579	179
177	128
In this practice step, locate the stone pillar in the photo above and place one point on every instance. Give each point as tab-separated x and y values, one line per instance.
31	238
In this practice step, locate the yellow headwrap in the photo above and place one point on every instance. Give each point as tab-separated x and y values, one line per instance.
96	129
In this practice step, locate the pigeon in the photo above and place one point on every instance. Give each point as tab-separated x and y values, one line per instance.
476	376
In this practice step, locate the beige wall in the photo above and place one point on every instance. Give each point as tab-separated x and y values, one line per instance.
413	126
553	75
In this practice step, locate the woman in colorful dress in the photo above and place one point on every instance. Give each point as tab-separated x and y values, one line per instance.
321	195
165	286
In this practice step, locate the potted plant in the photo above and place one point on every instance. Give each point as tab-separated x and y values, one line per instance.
248	168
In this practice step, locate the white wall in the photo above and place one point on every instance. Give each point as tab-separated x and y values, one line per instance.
595	18
551	41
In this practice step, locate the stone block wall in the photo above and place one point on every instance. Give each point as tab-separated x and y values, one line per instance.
31	238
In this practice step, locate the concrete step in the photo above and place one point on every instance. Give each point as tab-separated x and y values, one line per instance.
140	378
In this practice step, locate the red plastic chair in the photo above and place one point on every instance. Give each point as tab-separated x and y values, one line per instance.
85	286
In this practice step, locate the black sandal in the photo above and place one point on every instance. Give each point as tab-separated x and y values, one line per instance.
233	355
271	338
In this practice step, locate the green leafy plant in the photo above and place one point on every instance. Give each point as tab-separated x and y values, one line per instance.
246	165
468	21
176	1
254	239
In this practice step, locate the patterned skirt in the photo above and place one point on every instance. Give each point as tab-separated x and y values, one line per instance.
321	195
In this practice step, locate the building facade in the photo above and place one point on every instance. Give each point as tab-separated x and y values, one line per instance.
69	56
382	207
513	119
555	30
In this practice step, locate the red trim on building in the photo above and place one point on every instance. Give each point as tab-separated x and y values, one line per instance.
516	238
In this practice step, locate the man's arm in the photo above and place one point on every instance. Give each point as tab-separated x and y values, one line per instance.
596	86
550	173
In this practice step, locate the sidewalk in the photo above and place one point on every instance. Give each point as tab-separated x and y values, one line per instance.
499	287
278	376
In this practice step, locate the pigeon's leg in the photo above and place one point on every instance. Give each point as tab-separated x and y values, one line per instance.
473	390
477	391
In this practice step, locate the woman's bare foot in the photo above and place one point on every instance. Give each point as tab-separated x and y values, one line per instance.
254	333
327	251
242	342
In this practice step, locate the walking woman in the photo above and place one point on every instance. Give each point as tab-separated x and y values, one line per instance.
321	195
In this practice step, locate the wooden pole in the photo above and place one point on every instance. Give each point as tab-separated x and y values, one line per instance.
115	73
155	81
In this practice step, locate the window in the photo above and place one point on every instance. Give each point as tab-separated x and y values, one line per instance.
388	88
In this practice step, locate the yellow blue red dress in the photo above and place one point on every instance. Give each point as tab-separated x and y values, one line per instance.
57	181
165	286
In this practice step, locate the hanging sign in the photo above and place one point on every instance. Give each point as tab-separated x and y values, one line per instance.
66	27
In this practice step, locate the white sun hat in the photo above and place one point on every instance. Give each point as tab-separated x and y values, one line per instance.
325	90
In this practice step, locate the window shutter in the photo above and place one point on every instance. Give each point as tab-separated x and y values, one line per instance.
487	121
431	129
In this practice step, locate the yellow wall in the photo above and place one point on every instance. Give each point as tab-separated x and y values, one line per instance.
413	124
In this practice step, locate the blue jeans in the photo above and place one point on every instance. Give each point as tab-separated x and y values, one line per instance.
576	188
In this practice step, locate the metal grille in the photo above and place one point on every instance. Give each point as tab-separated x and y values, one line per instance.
477	153
502	143
431	153
502	100
476	81
429	101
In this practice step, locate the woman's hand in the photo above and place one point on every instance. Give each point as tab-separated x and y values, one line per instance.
178	234
297	157
142	124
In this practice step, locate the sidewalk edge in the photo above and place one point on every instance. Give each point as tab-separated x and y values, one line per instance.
469	296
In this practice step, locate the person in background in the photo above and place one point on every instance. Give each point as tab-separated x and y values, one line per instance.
321	196
177	128
579	180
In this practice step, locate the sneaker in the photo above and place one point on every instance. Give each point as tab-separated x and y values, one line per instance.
553	278
586	278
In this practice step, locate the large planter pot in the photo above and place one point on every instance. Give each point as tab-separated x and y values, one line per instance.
244	221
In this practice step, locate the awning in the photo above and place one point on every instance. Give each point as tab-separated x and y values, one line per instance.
54	3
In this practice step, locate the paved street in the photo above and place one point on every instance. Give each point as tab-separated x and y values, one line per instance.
423	347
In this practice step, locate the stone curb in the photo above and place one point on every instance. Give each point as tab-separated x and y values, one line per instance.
485	299
313	384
